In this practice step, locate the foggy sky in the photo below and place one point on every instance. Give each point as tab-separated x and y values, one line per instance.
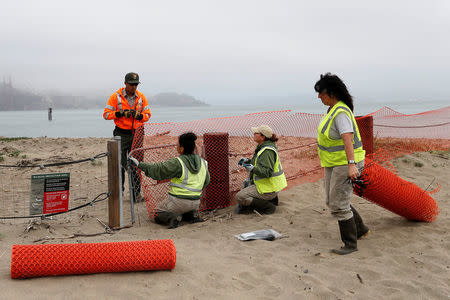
228	50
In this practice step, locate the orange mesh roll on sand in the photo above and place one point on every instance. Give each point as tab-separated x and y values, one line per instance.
401	197
67	259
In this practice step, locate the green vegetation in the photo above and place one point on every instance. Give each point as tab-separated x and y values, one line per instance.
441	153
416	163
7	139
96	162
11	153
14	153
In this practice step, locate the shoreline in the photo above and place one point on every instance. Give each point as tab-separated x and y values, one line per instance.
90	123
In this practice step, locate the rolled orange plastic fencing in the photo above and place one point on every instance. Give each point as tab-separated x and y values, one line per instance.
69	259
397	195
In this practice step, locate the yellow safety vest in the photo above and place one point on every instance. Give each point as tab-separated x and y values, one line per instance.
189	184
276	182
332	152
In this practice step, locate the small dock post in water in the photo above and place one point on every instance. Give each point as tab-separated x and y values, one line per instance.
49	113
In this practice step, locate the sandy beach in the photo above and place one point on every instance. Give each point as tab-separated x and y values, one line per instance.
399	260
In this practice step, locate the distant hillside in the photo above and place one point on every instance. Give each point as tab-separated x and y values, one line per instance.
12	98
174	99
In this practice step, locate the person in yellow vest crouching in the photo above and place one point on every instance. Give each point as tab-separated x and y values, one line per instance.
266	177
342	156
189	176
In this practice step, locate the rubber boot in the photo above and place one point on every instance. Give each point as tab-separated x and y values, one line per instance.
263	206
361	229
168	218
161	217
274	201
192	216
348	236
174	221
243	209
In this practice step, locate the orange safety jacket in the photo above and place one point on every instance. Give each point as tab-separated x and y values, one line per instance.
117	102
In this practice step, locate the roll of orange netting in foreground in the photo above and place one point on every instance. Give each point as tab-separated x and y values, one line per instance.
68	259
397	195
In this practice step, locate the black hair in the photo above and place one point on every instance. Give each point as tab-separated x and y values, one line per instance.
273	138
187	141
334	87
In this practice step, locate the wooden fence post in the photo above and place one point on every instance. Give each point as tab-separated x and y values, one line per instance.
115	213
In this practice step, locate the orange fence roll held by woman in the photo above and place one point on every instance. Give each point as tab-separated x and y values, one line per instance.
404	198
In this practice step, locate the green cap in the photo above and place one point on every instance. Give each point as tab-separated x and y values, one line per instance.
132	78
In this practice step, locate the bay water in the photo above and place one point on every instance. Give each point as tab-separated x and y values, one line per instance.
90	123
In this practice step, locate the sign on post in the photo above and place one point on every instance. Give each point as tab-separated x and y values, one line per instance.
49	193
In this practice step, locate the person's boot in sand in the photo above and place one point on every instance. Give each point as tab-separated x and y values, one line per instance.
274	201
192	216
263	206
362	230
348	236
168	218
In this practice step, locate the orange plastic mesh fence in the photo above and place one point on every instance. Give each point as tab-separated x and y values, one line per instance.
404	198
396	133
399	134
67	259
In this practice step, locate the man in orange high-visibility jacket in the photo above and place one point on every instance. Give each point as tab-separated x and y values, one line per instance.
129	109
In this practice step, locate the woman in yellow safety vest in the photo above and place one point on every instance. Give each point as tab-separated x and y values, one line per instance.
266	178
342	156
189	176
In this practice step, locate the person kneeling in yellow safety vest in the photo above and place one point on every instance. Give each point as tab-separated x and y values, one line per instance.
189	176
266	178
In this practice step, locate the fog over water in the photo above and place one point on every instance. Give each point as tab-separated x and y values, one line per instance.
90	123
229	52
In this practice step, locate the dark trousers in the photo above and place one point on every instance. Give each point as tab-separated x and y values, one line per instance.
125	147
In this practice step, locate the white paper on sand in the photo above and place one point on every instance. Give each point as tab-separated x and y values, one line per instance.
265	234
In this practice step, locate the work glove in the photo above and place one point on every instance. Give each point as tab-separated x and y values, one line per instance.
243	161
138	115
249	167
119	114
134	160
127	113
246	183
